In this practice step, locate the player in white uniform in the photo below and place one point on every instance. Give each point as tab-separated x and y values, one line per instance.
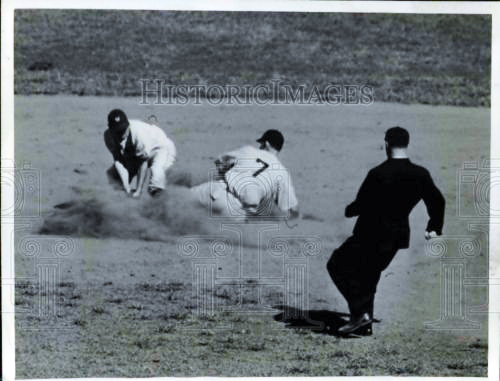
252	179
137	146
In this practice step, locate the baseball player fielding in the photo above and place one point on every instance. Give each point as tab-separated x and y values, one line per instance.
137	146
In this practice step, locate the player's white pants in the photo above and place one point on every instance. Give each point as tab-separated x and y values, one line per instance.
159	162
218	200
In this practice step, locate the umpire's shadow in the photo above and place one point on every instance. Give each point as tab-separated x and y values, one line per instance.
319	321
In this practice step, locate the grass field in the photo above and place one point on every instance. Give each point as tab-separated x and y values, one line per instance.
126	298
430	59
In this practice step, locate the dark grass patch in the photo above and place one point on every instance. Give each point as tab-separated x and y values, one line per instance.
98	309
66	284
166	328
115	300
80	322
456	366
161	287
479	345
342	354
174	315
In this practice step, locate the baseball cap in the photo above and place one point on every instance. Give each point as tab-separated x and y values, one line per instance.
117	121
397	137
274	137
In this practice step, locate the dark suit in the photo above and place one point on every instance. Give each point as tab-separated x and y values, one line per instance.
383	204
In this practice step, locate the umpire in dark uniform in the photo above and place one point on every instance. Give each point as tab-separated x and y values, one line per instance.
383	204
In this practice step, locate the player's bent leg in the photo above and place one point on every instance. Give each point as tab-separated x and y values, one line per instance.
215	197
158	179
133	168
339	273
343	268
234	208
201	193
209	192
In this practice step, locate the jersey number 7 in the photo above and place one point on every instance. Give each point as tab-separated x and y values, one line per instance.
264	167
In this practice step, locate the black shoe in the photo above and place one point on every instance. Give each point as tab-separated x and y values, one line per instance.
361	322
155	192
364	331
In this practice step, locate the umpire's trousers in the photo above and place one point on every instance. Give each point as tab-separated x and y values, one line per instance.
355	268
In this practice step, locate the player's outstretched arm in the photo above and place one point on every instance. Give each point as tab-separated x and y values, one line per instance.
141	177
435	204
294	213
293	216
123	173
224	164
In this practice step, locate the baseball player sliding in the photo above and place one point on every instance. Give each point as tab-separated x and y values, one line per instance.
137	146
252	180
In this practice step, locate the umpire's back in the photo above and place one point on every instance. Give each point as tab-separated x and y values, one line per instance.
390	192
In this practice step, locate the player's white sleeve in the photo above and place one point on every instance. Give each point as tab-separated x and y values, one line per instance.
286	193
140	149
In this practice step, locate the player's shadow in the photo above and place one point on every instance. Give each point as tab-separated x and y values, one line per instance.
319	321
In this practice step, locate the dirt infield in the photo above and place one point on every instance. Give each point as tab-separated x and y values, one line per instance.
126	293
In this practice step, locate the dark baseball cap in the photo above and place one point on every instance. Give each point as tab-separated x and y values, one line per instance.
397	137
117	121
274	137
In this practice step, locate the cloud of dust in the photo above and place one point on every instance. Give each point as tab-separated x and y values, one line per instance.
110	213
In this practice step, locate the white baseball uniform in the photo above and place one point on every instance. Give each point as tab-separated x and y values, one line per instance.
144	141
257	179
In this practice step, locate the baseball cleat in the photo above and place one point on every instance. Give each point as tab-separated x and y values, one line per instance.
364	331
155	192
356	324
